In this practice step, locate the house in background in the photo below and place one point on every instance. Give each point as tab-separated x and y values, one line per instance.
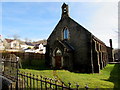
23	45
18	45
1	43
26	45
70	46
40	48
117	55
30	45
12	44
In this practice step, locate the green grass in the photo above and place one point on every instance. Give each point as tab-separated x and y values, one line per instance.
44	73
109	77
37	74
92	80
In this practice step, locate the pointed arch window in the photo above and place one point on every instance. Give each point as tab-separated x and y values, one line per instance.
58	52
66	33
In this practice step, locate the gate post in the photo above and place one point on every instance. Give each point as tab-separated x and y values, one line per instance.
17	67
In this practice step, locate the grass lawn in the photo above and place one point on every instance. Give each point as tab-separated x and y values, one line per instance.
44	73
107	78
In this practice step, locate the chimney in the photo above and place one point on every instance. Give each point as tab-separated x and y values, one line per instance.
111	51
110	43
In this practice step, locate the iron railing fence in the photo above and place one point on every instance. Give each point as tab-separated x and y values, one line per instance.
31	81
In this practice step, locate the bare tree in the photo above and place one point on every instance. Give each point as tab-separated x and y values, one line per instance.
27	40
16	36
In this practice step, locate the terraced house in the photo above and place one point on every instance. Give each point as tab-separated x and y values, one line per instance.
71	46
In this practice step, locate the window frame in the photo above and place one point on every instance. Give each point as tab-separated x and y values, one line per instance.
66	37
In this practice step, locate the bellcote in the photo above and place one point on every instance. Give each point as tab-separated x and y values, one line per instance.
65	11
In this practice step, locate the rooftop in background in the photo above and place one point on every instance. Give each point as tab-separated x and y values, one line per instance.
9	40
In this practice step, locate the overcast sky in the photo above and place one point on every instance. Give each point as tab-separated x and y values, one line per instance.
36	20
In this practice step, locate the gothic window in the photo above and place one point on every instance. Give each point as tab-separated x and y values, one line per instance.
58	52
66	33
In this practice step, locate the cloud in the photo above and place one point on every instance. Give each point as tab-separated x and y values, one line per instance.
101	19
104	23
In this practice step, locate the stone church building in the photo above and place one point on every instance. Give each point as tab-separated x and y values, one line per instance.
72	47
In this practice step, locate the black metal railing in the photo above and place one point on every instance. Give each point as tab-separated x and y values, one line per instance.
31	81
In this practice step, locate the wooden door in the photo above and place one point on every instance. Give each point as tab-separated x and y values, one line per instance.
57	61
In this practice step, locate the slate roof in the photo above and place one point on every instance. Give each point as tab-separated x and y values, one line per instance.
29	43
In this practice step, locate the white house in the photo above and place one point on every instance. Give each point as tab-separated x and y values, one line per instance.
12	44
15	44
41	48
26	45
1	43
